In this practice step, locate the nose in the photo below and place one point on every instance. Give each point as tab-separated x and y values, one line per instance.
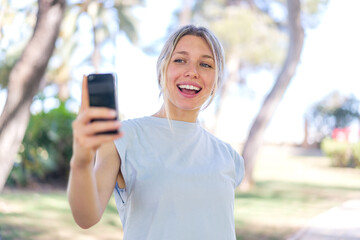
192	72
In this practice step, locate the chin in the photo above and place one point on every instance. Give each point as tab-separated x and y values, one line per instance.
190	108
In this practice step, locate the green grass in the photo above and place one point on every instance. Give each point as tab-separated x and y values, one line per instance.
291	188
31	215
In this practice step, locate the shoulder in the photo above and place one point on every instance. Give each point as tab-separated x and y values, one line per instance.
133	128
134	125
131	123
129	127
220	143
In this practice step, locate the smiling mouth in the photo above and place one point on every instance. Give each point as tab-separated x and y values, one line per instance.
189	89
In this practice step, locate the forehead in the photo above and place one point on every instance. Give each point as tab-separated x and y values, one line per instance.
193	44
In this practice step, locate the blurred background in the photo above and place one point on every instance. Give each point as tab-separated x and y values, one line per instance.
290	103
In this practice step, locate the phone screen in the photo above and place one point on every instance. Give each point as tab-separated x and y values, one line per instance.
102	92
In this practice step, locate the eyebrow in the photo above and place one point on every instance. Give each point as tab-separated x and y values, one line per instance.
186	53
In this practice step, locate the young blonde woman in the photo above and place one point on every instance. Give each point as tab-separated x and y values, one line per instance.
171	178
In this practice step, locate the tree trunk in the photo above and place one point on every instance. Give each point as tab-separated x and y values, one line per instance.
254	139
305	142
96	55
185	12
25	80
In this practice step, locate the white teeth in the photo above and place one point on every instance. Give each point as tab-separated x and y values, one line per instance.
190	87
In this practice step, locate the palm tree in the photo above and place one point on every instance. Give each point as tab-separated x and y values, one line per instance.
27	77
102	15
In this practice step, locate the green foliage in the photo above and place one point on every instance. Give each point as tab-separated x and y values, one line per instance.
342	109
102	14
312	11
254	32
46	148
252	36
342	154
13	42
334	111
355	149
313	7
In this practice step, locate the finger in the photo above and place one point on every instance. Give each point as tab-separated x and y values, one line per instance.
101	126
96	141
96	113
84	94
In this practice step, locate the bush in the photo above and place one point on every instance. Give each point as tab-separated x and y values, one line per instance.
356	153
342	154
46	148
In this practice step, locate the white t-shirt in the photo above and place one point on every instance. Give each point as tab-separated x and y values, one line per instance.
180	182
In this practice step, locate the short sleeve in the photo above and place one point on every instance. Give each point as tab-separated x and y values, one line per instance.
121	143
122	146
239	168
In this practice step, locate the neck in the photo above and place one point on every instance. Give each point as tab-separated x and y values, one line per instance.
180	115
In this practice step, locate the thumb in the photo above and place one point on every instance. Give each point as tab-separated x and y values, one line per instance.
84	94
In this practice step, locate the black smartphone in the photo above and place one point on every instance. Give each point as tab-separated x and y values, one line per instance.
102	89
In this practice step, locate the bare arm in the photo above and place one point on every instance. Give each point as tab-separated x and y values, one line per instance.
91	182
90	187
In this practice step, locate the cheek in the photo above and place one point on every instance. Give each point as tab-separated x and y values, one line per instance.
172	73
210	82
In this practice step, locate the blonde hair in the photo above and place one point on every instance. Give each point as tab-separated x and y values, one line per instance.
168	49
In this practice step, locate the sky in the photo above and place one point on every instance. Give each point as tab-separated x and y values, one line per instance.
329	62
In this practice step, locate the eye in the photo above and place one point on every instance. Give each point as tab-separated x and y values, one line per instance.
206	65
179	60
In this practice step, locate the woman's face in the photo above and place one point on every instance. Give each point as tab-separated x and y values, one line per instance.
190	75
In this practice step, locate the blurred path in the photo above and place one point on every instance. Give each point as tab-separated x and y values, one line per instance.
339	223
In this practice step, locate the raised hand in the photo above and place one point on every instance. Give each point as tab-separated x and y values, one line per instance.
85	138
